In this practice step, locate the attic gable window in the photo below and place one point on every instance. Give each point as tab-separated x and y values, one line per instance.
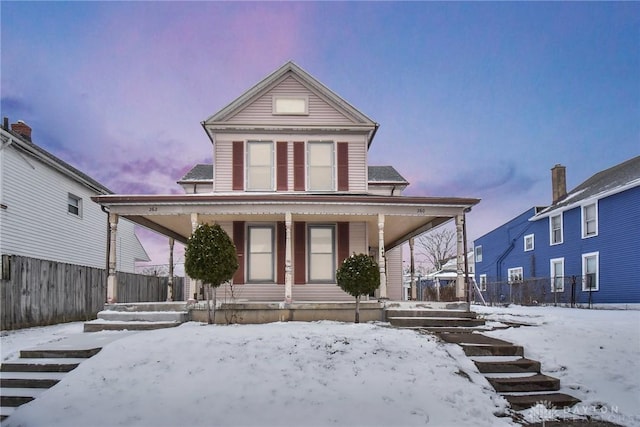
291	105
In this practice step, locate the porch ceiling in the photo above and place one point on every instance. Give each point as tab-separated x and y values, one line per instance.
404	216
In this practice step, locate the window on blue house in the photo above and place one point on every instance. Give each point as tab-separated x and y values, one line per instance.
557	275
528	242
555	229
515	275
590	220
483	282
478	254
590	271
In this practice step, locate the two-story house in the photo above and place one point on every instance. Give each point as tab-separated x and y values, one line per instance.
46	211
291	184
583	248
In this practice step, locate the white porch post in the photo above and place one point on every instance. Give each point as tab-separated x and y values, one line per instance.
381	259
193	284
170	281
112	278
288	297
460	257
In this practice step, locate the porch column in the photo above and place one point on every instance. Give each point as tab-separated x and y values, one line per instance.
381	259
287	259
413	271
112	278
193	284
460	257
170	281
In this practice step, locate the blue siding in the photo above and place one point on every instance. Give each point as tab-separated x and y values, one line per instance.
617	243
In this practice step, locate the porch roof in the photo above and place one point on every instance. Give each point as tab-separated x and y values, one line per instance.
405	216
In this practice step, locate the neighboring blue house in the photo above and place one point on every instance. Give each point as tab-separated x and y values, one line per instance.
583	248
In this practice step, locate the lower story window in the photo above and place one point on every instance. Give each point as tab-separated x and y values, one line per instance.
260	261
515	275
483	282
557	275
590	272
322	253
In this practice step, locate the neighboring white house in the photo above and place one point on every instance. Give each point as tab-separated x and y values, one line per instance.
291	184
46	211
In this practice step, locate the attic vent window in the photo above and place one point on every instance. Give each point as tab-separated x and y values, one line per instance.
291	105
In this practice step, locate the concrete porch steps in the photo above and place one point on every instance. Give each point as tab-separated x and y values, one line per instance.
514	366
520	402
532	383
139	317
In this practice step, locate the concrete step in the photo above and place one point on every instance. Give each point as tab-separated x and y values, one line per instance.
13	397
492	350
473	338
30	379
429	313
147	306
514	366
5	411
107	325
538	382
414	322
144	316
557	400
455	329
59	353
41	365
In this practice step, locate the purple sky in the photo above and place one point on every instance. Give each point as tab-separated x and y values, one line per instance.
473	99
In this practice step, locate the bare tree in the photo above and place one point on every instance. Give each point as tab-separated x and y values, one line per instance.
437	246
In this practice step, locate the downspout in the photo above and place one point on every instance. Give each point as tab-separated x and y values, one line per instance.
372	134
507	252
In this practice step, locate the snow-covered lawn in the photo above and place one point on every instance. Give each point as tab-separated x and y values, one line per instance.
594	353
332	374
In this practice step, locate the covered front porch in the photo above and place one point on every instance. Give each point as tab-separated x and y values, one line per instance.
289	245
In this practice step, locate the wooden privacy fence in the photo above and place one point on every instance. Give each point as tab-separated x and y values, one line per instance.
36	292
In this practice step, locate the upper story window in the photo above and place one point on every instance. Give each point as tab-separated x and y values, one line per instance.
74	205
555	229
478	254
291	105
590	220
259	166
320	166
529	242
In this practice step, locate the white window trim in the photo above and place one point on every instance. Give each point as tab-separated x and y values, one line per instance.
334	251
79	200
583	220
551	242
276	98
552	271
475	254
334	166
247	166
584	273
273	252
533	242
512	271
483	282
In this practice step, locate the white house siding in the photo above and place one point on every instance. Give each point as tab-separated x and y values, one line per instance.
129	249
394	273
36	222
358	242
260	111
223	152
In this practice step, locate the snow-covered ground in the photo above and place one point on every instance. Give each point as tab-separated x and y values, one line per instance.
330	373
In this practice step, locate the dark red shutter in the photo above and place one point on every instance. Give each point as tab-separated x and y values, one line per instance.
299	253
298	166
238	166
281	241
238	240
282	155
343	166
343	242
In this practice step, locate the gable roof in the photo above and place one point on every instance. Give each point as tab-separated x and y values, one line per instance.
385	175
28	147
605	183
307	80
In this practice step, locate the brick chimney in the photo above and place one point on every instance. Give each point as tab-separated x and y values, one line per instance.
558	182
22	129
